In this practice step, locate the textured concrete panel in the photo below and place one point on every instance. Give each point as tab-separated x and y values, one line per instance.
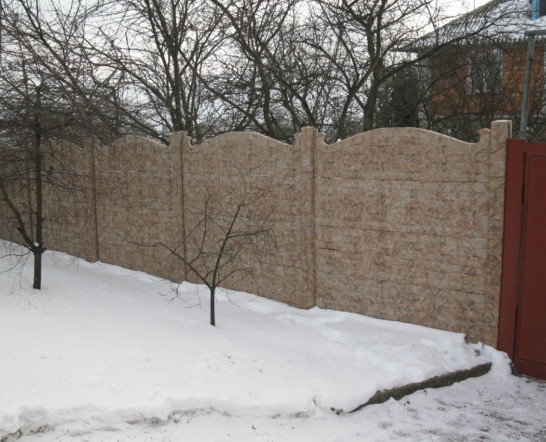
401	224
407	227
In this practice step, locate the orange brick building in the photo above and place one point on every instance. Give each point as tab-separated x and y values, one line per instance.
476	67
497	85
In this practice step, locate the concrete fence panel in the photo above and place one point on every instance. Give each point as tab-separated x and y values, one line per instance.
139	204
400	223
280	177
403	226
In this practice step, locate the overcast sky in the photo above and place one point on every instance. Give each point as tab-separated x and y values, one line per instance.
461	6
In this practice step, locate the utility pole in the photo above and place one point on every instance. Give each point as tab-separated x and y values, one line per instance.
1	18
526	85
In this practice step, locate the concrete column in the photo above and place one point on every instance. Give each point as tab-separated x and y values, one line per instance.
92	145
500	132
177	142
305	143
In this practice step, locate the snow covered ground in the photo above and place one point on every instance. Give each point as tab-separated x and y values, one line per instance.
106	354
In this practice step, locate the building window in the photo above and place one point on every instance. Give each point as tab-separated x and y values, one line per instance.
484	71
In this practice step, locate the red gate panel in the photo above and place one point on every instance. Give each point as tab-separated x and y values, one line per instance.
531	316
522	319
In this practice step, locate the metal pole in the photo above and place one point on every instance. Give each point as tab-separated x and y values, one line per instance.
526	85
527	81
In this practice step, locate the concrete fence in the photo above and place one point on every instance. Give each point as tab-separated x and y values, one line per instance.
402	224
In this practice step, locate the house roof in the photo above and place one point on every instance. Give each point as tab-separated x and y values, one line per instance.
498	21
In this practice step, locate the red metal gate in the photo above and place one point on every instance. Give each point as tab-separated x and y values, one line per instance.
522	323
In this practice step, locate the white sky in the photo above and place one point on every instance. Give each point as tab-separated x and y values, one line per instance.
462	6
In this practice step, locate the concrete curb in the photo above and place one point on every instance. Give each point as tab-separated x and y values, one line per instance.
436	382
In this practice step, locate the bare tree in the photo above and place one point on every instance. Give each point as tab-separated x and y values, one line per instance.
230	238
163	50
323	63
44	95
23	172
257	31
365	38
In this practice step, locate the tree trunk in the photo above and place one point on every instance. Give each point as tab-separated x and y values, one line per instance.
37	252
369	111
37	248
212	312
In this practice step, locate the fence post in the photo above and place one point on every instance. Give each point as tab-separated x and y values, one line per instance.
500	132
305	142
177	143
92	145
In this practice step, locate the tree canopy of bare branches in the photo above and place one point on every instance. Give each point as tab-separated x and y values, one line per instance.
152	67
106	68
47	91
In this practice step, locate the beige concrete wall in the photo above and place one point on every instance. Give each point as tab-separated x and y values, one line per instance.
409	226
69	205
279	178
17	190
138	196
401	224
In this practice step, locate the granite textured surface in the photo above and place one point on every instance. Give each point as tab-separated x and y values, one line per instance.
401	223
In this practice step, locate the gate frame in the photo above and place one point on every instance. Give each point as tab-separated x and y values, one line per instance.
511	250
